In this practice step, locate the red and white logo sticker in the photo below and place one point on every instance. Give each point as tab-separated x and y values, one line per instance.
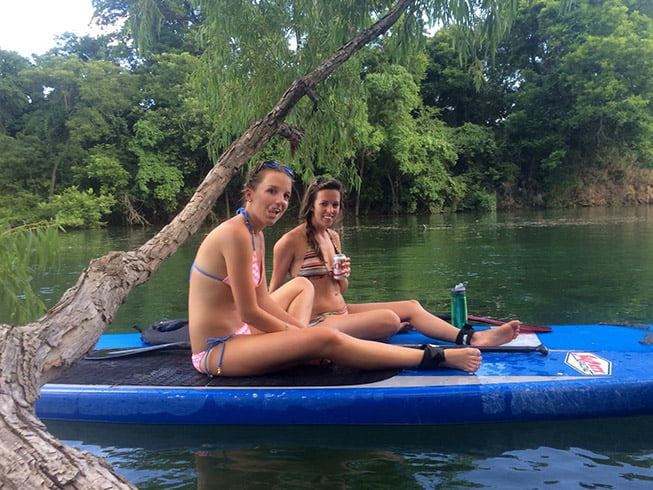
588	363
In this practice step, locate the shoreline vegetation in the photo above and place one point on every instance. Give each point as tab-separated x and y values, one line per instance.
627	185
559	114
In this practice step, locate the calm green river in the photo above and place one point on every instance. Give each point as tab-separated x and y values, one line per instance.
545	267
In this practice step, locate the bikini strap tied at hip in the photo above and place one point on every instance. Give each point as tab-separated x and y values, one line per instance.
212	342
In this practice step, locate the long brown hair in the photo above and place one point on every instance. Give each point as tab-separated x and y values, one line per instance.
308	204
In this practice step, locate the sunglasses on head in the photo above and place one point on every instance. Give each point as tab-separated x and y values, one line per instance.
320	181
275	165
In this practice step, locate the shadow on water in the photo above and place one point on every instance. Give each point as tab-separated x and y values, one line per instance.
618	434
605	453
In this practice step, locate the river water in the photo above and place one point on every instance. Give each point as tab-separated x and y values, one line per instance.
543	267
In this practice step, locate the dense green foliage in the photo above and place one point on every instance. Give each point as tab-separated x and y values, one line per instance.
583	99
95	132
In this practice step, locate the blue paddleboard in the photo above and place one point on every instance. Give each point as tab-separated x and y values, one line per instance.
589	371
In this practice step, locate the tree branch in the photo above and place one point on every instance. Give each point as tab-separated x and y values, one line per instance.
36	353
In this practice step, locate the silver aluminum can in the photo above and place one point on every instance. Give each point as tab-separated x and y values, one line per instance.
338	266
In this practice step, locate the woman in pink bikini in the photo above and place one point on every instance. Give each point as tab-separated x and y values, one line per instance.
307	251
237	328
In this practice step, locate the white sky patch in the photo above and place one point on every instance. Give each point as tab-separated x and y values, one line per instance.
30	26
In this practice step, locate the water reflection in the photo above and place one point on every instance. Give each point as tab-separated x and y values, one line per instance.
607	453
305	467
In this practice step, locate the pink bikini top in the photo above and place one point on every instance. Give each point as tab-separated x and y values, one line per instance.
257	270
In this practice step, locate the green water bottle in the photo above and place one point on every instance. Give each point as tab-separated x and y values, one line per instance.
459	305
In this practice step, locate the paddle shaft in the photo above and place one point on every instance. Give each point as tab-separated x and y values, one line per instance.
522	326
489	321
507	349
100	354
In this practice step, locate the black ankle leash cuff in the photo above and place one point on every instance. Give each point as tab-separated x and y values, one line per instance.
433	357
465	335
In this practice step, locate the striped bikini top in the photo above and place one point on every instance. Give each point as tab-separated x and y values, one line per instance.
257	270
313	266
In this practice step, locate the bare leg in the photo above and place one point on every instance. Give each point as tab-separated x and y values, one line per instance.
413	312
296	297
370	325
246	355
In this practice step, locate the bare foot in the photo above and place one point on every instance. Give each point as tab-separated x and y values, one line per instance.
466	359
497	335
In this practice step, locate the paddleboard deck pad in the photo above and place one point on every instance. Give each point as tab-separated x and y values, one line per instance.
171	368
590	371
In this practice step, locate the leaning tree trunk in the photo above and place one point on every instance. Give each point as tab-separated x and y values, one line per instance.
33	354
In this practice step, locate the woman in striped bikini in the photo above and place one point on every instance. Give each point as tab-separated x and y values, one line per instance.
308	251
238	328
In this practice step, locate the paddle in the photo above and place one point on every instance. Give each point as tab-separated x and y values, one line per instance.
541	348
99	354
522	326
